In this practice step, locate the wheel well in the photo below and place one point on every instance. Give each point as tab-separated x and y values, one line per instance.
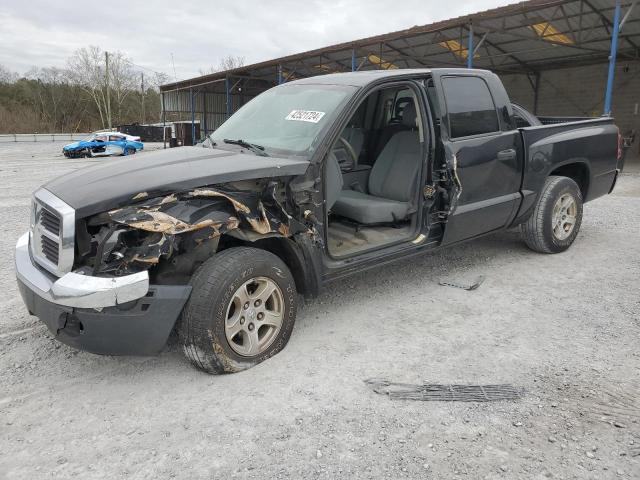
578	172
279	246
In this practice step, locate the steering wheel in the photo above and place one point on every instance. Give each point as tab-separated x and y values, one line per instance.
350	150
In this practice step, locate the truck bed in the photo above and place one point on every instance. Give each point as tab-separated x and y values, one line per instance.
588	146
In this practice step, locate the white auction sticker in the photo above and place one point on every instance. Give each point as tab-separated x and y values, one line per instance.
305	116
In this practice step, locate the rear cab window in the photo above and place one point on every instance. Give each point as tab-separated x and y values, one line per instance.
523	118
521	122
470	107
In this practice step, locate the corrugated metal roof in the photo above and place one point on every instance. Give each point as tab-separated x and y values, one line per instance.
522	37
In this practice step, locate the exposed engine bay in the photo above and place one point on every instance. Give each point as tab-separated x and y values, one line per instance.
183	227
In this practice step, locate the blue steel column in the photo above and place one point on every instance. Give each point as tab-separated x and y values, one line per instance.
612	60
279	74
470	48
228	94
164	123
193	119
353	60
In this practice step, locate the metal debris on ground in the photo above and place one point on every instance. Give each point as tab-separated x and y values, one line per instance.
473	286
433	392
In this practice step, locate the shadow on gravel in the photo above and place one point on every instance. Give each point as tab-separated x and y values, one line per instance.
462	259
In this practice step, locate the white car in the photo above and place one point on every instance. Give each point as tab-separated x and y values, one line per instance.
131	138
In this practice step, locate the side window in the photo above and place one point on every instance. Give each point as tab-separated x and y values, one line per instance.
470	106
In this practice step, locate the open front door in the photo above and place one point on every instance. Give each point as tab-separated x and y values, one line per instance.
373	175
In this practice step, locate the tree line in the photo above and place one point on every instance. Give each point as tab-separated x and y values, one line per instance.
94	91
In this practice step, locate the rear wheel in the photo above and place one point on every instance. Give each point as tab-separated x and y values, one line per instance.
241	310
556	218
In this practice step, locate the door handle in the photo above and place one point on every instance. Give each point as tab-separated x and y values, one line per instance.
506	155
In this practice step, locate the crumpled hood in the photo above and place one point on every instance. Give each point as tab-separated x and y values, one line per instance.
115	182
71	146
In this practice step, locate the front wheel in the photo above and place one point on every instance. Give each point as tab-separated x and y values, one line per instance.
556	218
241	310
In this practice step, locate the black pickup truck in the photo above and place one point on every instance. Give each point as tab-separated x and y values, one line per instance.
310	181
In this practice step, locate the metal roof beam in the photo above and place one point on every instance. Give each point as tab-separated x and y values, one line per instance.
477	47
510	55
562	62
607	22
543	40
626	15
490	56
581	45
421	62
507	31
497	18
399	51
569	27
521	36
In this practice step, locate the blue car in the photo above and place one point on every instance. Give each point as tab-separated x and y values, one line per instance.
103	144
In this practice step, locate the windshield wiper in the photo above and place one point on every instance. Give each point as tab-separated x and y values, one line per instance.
257	149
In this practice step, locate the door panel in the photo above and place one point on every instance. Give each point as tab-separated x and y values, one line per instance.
489	171
481	142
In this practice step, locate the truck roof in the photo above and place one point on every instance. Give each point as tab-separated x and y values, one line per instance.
362	78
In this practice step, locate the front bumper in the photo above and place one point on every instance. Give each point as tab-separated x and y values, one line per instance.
75	290
123	317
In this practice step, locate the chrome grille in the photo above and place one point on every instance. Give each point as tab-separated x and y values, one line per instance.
52	233
50	249
50	221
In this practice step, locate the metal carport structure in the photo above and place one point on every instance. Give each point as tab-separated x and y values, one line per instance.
518	41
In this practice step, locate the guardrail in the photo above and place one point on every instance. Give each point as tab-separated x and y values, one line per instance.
41	137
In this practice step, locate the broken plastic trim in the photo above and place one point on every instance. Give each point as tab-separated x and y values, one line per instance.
457	183
180	213
470	287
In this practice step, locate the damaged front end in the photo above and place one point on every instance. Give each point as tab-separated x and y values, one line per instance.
171	235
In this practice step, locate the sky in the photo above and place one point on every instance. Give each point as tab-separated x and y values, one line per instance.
198	33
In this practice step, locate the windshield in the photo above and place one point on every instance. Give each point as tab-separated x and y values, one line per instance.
288	120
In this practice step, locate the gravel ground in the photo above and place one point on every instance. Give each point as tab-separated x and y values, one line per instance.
565	328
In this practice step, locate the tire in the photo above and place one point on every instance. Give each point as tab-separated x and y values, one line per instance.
214	303
549	228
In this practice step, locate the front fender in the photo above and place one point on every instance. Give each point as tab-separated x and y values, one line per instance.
205	214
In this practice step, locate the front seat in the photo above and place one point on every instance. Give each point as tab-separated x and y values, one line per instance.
392	180
394	126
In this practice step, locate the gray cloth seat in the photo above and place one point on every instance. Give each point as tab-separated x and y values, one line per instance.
369	210
392	180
